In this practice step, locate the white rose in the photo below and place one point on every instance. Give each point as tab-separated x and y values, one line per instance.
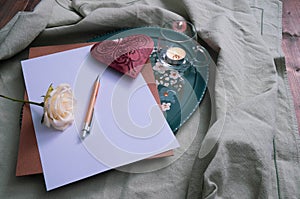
59	107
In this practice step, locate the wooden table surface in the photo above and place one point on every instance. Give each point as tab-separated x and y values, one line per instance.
290	37
291	48
8	8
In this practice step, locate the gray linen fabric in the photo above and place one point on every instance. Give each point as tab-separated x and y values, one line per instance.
251	149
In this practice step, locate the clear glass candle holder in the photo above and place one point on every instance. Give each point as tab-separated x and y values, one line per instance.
177	45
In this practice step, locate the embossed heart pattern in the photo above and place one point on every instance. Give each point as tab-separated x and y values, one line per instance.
126	55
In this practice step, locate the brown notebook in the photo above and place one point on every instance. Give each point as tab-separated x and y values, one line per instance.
28	161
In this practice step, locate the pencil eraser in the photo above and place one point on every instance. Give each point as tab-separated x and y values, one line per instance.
127	55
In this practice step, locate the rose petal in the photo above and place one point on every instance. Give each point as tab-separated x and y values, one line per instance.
59	107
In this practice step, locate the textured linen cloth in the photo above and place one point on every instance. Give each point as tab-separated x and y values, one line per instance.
246	143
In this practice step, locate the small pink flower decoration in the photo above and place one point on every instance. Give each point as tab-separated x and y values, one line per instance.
159	67
165	106
174	74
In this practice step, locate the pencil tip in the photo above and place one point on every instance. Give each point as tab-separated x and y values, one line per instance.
98	78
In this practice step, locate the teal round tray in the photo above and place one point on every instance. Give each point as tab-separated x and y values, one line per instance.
180	91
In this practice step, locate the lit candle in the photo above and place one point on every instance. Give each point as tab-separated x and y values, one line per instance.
175	54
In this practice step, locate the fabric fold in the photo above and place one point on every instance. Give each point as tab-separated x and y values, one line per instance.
23	29
247	142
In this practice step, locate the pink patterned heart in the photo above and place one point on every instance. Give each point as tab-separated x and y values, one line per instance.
127	55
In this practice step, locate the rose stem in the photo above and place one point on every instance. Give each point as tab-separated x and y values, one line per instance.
24	101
